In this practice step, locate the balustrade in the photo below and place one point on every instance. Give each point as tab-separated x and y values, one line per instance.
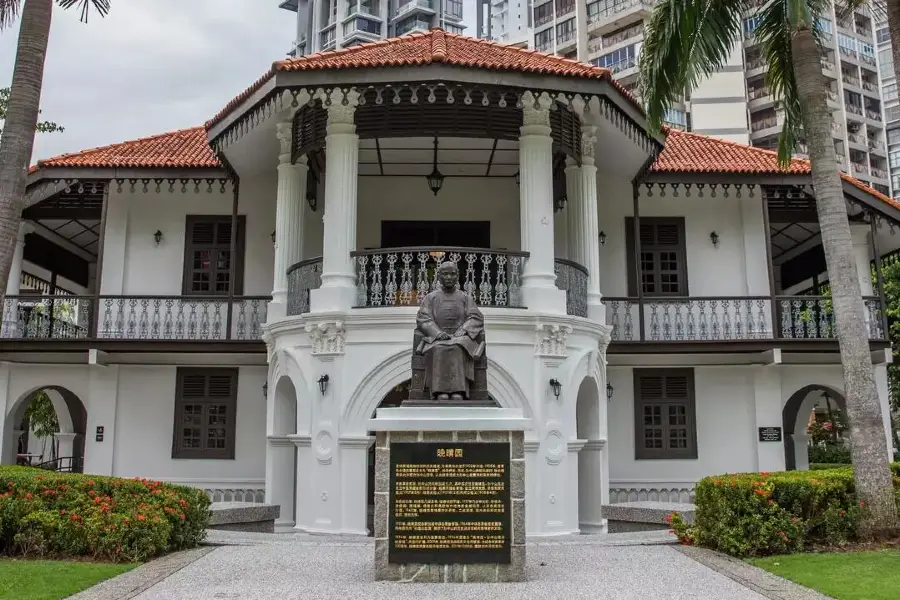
723	318
573	279
404	276
134	317
302	277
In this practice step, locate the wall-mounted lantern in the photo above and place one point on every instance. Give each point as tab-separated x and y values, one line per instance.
158	236
714	238
556	386
609	391
265	389
323	383
602	238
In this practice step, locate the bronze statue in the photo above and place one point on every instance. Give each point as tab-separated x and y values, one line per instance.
449	347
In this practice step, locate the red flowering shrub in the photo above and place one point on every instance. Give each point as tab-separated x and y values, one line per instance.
754	514
67	514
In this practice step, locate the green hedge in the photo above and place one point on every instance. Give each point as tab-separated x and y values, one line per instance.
756	514
829	454
49	514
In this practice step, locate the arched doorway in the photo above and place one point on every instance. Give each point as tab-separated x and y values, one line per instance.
281	460
795	418
46	428
590	457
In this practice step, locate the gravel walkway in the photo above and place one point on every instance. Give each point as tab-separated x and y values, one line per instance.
620	567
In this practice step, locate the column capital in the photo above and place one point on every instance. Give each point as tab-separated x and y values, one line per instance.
859	234
341	106
588	144
284	131
536	113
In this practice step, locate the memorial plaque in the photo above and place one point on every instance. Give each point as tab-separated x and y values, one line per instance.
449	503
770	434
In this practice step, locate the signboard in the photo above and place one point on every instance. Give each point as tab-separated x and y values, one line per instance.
770	434
99	435
449	503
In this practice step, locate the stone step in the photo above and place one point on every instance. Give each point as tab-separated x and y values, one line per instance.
243	516
644	516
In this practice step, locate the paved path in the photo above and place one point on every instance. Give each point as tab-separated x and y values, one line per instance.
620	567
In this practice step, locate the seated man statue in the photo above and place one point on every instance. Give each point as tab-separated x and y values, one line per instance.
451	327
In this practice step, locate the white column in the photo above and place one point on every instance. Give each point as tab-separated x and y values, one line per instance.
354	493
801	451
574	200
767	407
593	486
539	291
288	218
15	271
7	449
590	231
65	446
338	291
101	408
280	474
303	487
884	399
862	251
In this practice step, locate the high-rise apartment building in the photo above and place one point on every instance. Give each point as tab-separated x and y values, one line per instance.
891	104
331	24
735	103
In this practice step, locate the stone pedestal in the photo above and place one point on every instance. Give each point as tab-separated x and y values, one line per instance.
460	428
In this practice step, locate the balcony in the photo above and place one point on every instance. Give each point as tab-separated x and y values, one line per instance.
859	168
566	39
363	27
615	14
856	138
595	46
850	80
730	318
869	60
412	26
393	277
876	146
631	33
873	114
878	172
409	7
363	9
853	109
143	318
870	86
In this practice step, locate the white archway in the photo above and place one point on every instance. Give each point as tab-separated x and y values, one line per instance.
281	453
396	369
71	415
795	416
592	461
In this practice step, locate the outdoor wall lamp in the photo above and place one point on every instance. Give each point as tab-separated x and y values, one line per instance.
714	238
609	391
436	178
556	385
266	390
157	236
273	236
323	383
518	177
602	238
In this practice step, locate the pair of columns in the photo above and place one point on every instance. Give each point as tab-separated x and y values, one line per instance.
338	289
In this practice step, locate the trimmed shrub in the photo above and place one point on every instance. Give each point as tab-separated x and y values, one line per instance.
830	454
757	514
43	513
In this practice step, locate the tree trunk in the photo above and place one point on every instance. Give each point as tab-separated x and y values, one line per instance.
17	141
868	442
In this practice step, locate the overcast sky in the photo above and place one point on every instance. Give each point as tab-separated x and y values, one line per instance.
151	66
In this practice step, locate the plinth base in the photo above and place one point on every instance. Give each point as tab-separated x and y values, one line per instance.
428	433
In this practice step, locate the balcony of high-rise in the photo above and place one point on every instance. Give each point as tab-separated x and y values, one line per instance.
407	8
604	16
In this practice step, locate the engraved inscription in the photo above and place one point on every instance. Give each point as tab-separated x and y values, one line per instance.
450	503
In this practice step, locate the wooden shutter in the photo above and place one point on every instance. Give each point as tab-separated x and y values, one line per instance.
661	239
205	419
212	234
665	414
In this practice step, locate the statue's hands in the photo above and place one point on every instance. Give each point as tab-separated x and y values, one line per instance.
443	336
459	332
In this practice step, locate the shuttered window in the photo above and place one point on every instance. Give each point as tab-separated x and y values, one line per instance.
663	257
205	404
207	256
664	412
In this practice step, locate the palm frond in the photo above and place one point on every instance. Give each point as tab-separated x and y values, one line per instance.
843	9
9	10
85	6
686	41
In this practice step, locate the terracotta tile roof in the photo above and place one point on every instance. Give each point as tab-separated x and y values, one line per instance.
686	152
683	153
436	46
186	148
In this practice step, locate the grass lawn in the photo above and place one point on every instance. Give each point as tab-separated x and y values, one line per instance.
841	575
50	579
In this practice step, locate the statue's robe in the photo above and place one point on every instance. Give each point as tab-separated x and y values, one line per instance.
450	364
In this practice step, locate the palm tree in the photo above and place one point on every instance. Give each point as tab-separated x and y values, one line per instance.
688	40
17	139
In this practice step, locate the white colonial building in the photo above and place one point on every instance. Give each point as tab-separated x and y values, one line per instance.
227	306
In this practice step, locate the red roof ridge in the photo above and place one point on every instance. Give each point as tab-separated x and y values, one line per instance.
107	147
733	143
438	45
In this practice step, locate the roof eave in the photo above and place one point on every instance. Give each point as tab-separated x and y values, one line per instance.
107	173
